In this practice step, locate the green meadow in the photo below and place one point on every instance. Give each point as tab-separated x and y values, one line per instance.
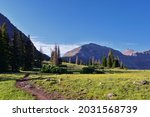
116	85
8	90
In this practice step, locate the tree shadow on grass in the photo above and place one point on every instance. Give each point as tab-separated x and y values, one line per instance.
28	79
24	78
21	80
7	79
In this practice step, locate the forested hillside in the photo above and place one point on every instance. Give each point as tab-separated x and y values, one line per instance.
16	49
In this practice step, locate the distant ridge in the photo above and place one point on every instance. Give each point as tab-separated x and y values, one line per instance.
132	59
129	52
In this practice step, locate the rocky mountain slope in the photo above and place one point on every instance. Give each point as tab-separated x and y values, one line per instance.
129	52
85	52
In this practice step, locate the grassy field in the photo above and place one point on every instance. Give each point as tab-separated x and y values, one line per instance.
126	85
120	84
8	91
71	66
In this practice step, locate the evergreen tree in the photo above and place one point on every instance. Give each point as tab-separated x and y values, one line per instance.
118	61
121	65
1	52
15	52
115	63
52	56
59	58
109	62
110	59
104	61
55	56
90	61
29	55
4	49
111	55
55	59
40	58
22	50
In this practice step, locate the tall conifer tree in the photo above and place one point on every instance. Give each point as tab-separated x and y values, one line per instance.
15	52
4	49
55	56
104	61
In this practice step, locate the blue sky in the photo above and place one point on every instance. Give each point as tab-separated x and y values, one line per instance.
119	24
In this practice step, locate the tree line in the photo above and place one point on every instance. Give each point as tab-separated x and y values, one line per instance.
17	52
109	61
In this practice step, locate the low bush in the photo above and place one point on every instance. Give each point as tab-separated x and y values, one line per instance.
53	69
46	68
87	70
97	71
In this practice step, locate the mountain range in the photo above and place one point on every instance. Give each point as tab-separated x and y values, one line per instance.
130	58
10	31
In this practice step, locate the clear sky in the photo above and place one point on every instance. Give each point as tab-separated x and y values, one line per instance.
119	24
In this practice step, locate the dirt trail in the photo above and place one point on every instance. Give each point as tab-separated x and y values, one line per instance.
37	92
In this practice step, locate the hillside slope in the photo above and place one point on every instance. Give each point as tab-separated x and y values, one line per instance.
11	28
87	51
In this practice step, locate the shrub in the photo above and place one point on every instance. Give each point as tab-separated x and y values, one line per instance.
46	68
53	69
97	71
87	70
59	70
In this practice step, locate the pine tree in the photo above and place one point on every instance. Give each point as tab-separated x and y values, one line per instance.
55	56
29	55
15	52
59	58
4	49
1	52
109	62
52	57
90	61
104	61
110	59
118	61
55	59
22	50
40	58
111	55
121	65
115	63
